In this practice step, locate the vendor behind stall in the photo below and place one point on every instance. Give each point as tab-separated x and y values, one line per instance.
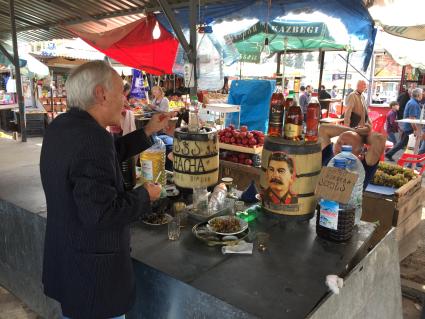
357	138
159	102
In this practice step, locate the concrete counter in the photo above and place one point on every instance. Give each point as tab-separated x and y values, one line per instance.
187	279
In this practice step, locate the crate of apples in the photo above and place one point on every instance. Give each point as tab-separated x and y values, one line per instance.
241	137
239	158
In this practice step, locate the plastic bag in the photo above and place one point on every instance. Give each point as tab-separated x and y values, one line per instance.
152	162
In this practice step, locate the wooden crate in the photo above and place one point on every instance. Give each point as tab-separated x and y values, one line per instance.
403	210
242	174
241	149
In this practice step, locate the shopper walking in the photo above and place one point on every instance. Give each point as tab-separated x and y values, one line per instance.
391	124
87	266
412	111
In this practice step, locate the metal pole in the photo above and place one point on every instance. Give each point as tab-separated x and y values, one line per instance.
193	33
321	64
369	87
175	25
345	78
17	72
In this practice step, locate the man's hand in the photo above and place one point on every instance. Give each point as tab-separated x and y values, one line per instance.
153	189
158	122
364	130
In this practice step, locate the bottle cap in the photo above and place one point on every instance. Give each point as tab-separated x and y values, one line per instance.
340	163
347	148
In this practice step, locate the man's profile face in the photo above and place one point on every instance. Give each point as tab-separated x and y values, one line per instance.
114	99
279	177
348	138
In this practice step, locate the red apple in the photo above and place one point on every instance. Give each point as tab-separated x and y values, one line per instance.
248	161
227	140
232	140
249	135
244	128
244	141
242	134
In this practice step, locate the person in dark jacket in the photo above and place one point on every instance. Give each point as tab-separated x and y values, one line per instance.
402	100
87	266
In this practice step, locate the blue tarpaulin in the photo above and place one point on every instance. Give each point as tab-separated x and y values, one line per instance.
254	97
352	13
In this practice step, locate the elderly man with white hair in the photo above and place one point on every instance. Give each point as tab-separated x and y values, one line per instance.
87	266
412	111
356	108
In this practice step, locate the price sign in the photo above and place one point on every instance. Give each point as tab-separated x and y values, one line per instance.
335	184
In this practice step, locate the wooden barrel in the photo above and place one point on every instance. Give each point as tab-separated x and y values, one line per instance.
196	160
289	173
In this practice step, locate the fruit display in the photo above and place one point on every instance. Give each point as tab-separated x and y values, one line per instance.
240	158
392	175
241	137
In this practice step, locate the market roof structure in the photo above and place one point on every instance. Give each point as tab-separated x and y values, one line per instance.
47	19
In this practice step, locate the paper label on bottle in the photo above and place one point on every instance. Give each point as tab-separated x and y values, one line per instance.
147	170
329	214
292	130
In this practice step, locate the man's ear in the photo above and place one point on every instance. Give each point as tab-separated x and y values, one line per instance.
99	94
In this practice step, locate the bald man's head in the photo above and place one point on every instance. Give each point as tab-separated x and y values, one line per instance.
349	138
361	86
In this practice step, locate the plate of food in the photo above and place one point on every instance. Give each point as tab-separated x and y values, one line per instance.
203	233
157	219
227	225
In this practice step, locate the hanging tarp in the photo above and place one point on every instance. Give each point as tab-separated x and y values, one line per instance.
294	35
134	45
416	32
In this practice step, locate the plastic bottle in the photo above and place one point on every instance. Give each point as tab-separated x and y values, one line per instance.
354	165
194	124
335	221
312	120
152	162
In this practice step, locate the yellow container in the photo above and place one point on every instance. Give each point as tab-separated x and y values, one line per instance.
152	162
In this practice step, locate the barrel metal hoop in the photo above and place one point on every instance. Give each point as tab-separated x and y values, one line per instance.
309	174
315	173
193	156
305	195
196	173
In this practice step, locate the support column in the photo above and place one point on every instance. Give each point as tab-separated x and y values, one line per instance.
193	19
321	65
370	85
345	78
17	72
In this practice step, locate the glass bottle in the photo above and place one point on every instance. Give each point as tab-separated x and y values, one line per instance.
276	114
312	120
293	123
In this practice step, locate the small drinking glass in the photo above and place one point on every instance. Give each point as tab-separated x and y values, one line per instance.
239	207
179	209
174	229
262	241
228	181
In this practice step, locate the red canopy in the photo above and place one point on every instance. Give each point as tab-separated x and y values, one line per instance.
133	45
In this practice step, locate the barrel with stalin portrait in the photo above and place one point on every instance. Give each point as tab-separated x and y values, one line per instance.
196	159
289	173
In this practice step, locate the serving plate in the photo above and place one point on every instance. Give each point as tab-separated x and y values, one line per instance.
243	225
168	218
202	233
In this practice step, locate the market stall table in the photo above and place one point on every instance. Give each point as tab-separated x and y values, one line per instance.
420	124
331	120
187	279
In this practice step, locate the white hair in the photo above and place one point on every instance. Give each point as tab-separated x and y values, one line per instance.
416	93
80	85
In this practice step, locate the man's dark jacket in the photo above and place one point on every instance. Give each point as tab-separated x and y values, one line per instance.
87	265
